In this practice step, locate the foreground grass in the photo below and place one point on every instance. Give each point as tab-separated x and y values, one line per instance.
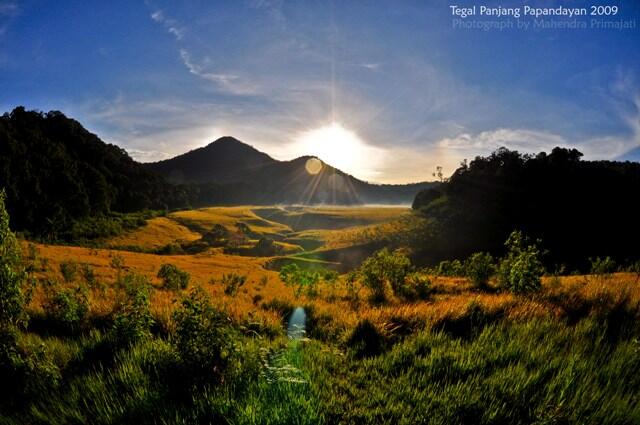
568	354
536	371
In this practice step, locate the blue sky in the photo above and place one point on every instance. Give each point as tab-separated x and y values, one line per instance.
160	78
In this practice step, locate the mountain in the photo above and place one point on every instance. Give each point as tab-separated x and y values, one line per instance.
258	178
226	160
55	173
63	183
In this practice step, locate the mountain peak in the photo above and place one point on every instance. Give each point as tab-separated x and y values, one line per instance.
227	140
226	159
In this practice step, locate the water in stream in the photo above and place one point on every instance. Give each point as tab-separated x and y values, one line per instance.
296	324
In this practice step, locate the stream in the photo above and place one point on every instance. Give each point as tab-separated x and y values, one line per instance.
296	324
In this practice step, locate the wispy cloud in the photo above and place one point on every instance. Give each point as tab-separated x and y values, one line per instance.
226	82
171	25
371	66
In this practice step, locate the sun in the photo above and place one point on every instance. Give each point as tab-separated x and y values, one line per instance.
339	147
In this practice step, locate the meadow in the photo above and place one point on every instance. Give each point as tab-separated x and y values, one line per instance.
115	335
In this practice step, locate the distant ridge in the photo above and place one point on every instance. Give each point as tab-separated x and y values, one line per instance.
223	161
263	179
63	183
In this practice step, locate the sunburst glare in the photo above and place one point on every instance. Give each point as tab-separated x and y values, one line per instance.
340	148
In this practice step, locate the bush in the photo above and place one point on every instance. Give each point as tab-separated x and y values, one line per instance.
203	338
602	267
26	370
117	263
521	269
12	277
450	269
417	286
88	275
385	269
173	278
69	308
232	282
479	268
132	320
366	340
69	270
303	281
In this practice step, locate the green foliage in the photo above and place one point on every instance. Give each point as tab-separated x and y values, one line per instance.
203	338
117	263
64	183
383	270
453	268
132	320
535	372
89	275
12	276
551	195
306	281
417	286
232	282
173	277
26	370
602	267
521	269
69	307
479	267
69	270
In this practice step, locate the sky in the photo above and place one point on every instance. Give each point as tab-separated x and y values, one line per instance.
385	90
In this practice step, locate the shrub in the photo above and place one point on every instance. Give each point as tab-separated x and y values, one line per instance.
306	281
520	270
479	268
635	268
69	270
417	286
283	307
602	267
232	282
385	269
12	277
450	268
170	249
366	340
173	278
69	307
117	263
132	321
26	370
353	288
88	275
203	338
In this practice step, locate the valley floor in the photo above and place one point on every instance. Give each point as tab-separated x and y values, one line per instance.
566	354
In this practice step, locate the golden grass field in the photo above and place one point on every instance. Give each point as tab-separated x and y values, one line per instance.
332	310
158	232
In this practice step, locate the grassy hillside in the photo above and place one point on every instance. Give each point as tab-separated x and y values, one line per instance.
111	336
156	233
